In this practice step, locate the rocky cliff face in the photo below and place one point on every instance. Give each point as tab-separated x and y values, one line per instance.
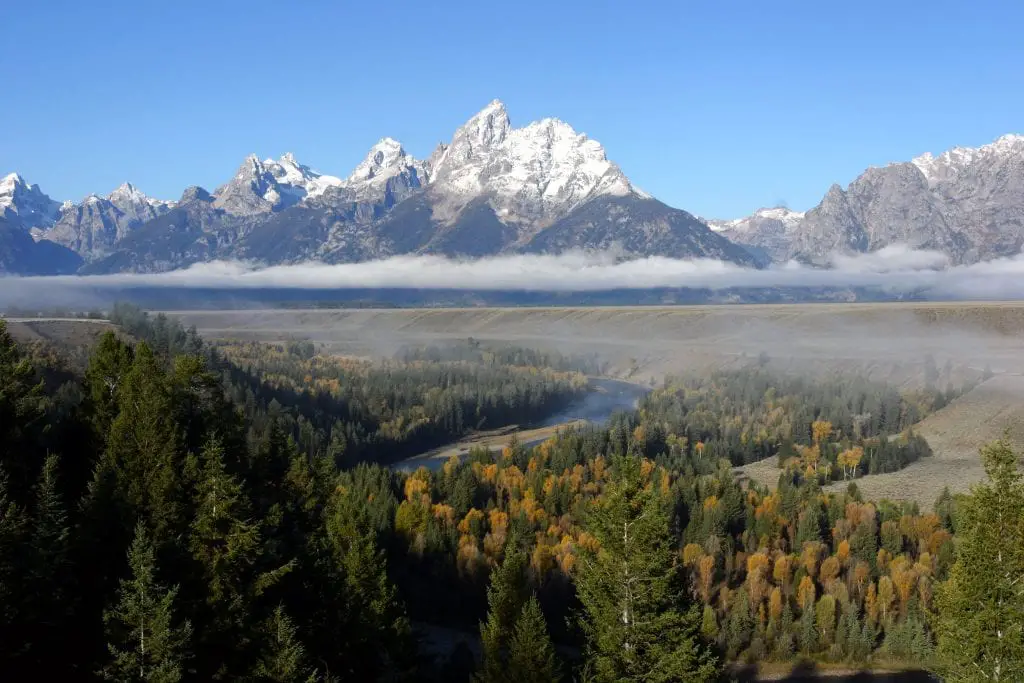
966	202
26	205
93	227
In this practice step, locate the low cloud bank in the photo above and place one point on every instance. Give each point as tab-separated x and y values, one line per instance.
895	268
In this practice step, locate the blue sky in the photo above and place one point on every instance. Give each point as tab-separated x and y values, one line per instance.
714	107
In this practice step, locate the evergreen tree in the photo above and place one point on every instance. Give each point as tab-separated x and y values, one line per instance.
108	366
142	449
21	416
505	599
13	526
282	657
377	628
531	656
630	589
981	607
144	642
227	546
48	579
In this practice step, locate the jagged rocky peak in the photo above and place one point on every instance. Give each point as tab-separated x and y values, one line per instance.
490	126
951	163
26	204
780	217
386	174
385	156
269	185
530	175
127	195
194	193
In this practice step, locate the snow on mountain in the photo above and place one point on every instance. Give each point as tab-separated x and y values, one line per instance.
25	204
950	163
966	202
533	174
767	232
128	196
385	162
751	224
92	227
269	185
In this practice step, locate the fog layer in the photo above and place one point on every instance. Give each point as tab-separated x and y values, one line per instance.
895	268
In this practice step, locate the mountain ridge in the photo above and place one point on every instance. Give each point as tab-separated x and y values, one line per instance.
967	202
492	188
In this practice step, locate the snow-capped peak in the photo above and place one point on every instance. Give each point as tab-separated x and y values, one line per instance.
266	185
9	182
757	221
387	155
127	194
27	203
288	171
386	160
488	127
530	174
951	162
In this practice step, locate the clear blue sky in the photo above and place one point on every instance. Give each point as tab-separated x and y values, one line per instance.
715	107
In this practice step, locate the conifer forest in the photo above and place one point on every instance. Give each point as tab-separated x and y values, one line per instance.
180	509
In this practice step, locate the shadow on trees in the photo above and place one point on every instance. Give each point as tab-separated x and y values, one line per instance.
806	671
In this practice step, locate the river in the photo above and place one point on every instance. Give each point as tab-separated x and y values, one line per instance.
606	397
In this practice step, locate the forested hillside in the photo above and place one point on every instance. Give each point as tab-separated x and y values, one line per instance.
178	510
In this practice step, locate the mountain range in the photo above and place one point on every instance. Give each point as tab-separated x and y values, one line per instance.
492	189
495	189
967	203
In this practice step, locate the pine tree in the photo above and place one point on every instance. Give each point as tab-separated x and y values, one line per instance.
108	366
47	588
630	589
142	449
531	656
144	641
21	413
505	599
382	623
13	526
981	607
281	656
228	547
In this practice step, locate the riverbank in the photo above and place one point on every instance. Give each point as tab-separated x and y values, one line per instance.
606	397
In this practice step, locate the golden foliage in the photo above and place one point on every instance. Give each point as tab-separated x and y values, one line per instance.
806	594
692	553
471	520
843	552
820	430
775	604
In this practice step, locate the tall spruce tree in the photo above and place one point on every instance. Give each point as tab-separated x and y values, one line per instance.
13	527
505	599
531	657
376	628
144	639
636	626
108	366
282	659
48	582
227	545
142	449
980	626
21	417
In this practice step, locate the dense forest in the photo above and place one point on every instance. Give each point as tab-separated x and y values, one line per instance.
179	510
823	428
